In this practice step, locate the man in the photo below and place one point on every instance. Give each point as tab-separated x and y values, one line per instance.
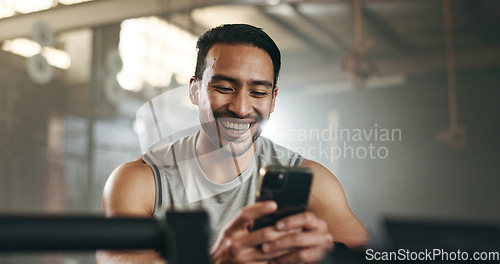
216	169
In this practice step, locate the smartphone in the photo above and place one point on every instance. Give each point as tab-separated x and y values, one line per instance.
289	187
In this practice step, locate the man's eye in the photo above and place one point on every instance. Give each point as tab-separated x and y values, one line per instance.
259	94
223	89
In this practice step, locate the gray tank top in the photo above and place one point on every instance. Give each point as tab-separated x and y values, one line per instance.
181	184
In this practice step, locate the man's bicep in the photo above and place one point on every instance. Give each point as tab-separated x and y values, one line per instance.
328	201
129	190
326	188
327	197
124	257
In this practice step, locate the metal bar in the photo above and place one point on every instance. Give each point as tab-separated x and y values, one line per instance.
385	31
336	39
411	65
94	13
57	233
450	64
92	113
357	23
181	237
304	37
192	27
190	239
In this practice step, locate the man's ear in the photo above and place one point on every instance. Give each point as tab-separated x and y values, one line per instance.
275	93
194	91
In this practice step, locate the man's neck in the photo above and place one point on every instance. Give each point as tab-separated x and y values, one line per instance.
219	165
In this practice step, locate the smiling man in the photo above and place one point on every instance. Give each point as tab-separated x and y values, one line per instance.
216	168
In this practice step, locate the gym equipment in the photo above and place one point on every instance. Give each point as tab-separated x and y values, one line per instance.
181	237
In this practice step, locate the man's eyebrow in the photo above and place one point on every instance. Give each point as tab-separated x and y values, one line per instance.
222	77
262	82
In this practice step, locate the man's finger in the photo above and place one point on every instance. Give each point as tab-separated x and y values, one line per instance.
306	220
263	235
234	252
308	255
299	240
254	254
250	213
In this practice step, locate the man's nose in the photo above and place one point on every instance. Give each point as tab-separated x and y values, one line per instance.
240	104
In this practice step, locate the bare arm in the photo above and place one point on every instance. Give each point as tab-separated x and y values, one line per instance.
120	257
129	191
328	202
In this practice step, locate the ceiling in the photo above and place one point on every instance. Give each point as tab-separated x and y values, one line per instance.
409	36
316	36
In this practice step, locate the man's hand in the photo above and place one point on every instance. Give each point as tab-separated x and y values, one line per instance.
308	246
237	244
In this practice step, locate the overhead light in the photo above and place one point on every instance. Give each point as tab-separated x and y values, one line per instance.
7	9
72	2
276	8
29	48
29	6
274	2
57	58
21	46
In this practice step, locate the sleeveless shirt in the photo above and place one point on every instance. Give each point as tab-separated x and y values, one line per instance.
181	184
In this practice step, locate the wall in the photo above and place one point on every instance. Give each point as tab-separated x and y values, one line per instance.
420	177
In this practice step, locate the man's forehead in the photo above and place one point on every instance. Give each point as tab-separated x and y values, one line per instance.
241	63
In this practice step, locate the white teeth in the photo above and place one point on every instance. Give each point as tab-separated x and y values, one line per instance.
238	128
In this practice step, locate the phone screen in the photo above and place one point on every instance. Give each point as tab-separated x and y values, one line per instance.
289	187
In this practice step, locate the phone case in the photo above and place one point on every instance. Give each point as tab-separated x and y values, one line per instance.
289	187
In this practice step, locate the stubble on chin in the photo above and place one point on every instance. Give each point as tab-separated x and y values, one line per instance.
231	148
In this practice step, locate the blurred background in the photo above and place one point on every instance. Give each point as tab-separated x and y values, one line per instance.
398	98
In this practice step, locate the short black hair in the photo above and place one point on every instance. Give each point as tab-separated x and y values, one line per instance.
236	34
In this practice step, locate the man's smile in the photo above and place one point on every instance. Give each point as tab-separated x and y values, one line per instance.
234	128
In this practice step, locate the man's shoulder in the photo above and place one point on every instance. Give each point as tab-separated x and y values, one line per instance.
318	170
132	170
169	153
129	190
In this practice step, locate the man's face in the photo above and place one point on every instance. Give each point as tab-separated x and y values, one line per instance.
235	96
